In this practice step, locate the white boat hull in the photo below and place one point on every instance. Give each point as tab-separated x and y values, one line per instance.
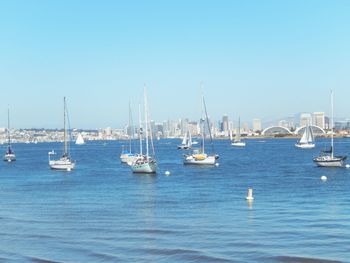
127	158
146	167
62	164
9	157
327	161
305	145
209	160
238	144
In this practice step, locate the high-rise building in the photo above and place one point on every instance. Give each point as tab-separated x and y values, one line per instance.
305	119
256	125
319	119
224	127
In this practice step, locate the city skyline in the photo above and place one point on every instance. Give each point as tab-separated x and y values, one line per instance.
266	58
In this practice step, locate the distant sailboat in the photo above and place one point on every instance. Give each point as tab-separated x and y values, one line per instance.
127	156
237	141
307	140
80	140
186	142
144	163
327	158
199	156
65	162
9	155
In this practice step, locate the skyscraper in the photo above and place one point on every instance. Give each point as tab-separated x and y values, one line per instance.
225	123
305	119
319	119
256	125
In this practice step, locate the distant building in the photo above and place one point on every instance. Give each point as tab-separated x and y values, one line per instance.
305	119
319	119
224	123
283	123
256	125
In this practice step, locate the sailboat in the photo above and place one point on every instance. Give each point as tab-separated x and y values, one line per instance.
65	162
9	155
144	163
186	141
237	141
127	156
80	140
199	156
327	158
306	141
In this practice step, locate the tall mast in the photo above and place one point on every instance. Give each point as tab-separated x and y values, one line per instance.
203	121
8	127
130	128
146	120
65	150
140	129
332	125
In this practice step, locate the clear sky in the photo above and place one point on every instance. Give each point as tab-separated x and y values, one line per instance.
265	59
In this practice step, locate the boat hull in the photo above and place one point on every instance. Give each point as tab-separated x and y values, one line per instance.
327	161
238	144
190	159
146	167
183	147
9	157
305	145
62	165
127	158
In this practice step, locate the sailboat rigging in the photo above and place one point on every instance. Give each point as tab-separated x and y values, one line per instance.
199	156
9	155
237	141
127	156
65	162
327	158
307	140
145	163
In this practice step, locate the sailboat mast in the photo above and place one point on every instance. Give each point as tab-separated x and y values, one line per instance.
140	129
203	125
146	120
332	125
8	128
130	128
65	150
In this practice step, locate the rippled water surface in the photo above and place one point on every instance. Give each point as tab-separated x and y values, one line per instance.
101	212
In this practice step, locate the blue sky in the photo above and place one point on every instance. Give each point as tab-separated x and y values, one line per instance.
265	59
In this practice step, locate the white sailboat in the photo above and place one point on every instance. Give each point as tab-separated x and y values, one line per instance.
307	140
9	154
127	156
65	162
237	141
144	163
327	158
199	156
186	141
79	140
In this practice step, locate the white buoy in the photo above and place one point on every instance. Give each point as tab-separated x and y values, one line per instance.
9	160
68	169
324	178
347	165
250	194
167	173
216	164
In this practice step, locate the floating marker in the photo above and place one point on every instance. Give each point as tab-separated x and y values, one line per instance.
347	165
250	194
324	178
68	169
216	164
167	173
